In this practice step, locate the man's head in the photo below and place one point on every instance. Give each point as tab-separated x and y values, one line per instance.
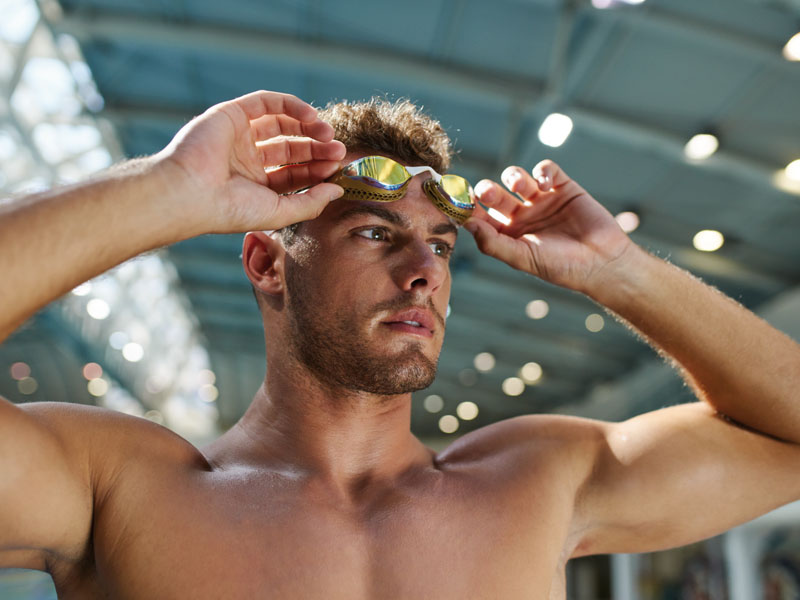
358	295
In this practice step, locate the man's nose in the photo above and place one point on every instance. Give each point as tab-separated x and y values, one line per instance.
419	269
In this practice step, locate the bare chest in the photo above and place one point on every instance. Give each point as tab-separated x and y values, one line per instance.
211	536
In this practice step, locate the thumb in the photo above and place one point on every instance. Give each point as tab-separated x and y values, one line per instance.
514	252
302	206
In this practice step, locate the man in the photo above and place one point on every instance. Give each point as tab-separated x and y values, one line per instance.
321	491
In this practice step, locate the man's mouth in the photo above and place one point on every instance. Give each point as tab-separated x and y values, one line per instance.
415	321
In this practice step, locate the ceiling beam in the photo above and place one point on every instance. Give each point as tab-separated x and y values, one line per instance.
480	84
295	51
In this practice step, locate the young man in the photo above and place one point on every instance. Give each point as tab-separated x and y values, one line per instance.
321	491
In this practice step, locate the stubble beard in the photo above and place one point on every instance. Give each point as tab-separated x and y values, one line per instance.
332	347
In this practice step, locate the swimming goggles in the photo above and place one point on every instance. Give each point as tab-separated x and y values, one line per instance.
381	179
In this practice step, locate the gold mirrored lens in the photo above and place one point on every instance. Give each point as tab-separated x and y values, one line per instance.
381	169
457	187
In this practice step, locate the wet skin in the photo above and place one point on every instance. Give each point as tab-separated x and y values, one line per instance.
320	491
264	513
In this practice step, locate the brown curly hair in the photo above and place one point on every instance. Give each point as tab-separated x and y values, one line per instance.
398	129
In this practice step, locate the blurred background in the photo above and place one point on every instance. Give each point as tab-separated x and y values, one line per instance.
682	117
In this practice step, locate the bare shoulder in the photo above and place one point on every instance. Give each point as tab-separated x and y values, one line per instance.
551	443
106	437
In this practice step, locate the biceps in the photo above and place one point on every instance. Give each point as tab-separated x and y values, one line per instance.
45	502
679	475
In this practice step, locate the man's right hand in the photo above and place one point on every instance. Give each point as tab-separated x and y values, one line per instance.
242	159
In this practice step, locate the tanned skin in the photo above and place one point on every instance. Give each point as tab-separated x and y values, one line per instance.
321	490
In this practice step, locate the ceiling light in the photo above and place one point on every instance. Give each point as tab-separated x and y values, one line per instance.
484	362
467	411
628	221
513	386
531	373
133	352
708	240
537	309
98	309
701	146
20	370
433	403
92	371
97	387
448	424
793	170
791	51
555	130
27	386
595	323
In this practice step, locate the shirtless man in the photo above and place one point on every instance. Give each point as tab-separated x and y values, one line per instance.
321	491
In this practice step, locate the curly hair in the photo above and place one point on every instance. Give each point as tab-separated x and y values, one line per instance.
398	129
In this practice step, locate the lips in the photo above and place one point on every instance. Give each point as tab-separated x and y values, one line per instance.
413	321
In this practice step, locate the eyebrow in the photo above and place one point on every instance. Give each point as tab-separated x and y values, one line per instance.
394	218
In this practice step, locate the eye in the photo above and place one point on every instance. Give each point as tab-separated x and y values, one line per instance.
378	234
441	249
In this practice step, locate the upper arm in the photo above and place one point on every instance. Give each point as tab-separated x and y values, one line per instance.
678	475
45	487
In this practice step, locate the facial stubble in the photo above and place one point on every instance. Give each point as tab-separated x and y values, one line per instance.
332	347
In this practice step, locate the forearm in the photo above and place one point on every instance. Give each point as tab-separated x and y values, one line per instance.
735	361
51	242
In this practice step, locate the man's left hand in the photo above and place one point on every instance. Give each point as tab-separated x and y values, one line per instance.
557	231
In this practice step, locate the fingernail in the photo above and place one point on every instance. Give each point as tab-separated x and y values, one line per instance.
471	226
482	188
510	176
545	182
337	193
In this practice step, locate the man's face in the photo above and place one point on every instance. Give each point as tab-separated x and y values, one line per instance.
368	286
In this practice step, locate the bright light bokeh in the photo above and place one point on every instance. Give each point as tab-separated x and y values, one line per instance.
448	424
595	323
98	309
531	373
537	309
484	362
791	51
513	386
555	130
467	411
433	403
132	352
701	146
793	170
708	240
20	370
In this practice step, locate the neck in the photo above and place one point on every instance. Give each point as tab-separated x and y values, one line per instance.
346	439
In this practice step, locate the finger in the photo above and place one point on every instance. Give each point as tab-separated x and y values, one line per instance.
291	178
495	244
286	150
269	126
293	208
520	182
262	102
549	175
494	196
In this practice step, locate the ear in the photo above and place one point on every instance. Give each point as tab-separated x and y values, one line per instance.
263	258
